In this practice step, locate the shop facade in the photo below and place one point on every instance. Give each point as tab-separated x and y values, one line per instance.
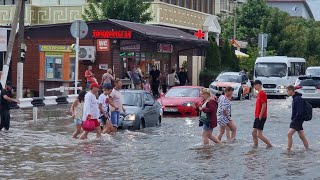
119	45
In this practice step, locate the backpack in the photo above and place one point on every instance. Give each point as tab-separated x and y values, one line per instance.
308	111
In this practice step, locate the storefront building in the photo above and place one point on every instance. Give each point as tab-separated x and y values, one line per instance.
115	44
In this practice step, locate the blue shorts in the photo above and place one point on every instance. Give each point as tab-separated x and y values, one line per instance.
207	127
115	117
77	121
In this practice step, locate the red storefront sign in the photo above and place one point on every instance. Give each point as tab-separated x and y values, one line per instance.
165	48
103	45
112	34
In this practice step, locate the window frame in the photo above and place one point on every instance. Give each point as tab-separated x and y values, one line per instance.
46	76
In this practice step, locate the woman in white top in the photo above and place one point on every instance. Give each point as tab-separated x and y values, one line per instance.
173	79
91	110
77	112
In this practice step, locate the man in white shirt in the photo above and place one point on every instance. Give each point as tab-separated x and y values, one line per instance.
91	110
116	105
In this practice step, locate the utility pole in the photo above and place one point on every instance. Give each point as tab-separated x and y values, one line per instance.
14	25
22	49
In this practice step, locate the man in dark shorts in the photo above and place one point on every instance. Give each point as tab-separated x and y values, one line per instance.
297	118
260	115
155	81
6	99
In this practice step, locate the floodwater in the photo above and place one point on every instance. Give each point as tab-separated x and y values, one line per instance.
45	149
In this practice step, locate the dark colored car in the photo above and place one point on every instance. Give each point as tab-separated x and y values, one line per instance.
142	110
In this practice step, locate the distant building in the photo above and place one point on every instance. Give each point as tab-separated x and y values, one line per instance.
296	8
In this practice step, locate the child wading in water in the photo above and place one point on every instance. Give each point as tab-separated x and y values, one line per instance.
77	113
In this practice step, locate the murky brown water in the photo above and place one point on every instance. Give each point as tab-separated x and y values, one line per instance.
45	150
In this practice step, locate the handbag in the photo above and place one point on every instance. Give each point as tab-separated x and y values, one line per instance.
88	125
204	119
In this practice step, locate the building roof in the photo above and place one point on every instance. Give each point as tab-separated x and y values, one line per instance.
148	31
158	32
306	5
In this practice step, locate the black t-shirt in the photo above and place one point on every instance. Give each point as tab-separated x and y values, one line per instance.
155	75
5	105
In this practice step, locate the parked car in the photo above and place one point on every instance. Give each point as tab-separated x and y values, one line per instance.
240	83
313	71
182	100
142	110
309	87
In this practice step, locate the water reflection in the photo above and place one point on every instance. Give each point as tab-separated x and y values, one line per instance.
45	150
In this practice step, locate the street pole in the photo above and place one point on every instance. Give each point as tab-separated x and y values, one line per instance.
235	20
21	46
77	59
14	25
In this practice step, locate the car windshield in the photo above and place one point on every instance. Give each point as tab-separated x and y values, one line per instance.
183	92
313	72
131	99
271	69
312	81
229	78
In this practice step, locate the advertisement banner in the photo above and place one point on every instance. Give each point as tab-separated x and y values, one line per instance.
3	39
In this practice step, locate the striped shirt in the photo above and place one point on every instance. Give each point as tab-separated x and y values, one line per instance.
224	104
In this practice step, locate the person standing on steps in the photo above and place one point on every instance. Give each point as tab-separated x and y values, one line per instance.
297	117
183	77
89	77
6	99
155	81
260	115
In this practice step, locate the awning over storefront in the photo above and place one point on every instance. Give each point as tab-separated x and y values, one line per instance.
159	32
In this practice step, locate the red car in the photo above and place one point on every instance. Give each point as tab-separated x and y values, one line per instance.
182	100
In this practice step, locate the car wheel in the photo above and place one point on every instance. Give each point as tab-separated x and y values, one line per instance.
159	121
142	124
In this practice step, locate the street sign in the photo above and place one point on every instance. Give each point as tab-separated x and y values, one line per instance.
263	41
79	29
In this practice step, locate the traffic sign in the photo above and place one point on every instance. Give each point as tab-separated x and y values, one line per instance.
79	29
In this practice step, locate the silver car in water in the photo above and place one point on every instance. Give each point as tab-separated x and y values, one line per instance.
142	110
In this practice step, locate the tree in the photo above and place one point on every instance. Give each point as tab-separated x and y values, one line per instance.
127	10
213	60
227	62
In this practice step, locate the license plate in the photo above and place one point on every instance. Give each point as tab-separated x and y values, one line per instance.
170	110
309	91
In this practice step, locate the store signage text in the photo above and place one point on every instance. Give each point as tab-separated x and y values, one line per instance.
165	48
103	45
112	34
55	48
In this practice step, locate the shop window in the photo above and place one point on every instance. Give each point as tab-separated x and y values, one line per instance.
54	68
72	68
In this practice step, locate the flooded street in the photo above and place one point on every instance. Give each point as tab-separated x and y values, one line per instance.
45	149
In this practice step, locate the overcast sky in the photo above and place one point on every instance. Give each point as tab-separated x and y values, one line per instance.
314	5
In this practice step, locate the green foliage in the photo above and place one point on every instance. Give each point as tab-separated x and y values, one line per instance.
207	76
229	61
288	36
213	60
127	10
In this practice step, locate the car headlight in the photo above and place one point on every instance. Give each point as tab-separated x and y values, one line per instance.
130	117
213	87
282	87
188	104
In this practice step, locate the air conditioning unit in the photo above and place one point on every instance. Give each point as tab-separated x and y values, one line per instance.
87	53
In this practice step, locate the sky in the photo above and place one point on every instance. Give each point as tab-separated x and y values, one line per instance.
314	5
